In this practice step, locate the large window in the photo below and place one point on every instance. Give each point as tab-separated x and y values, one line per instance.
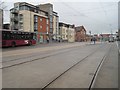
35	18
35	23
27	8
35	27
41	19
47	28
9	35
21	8
21	17
47	22
40	27
51	19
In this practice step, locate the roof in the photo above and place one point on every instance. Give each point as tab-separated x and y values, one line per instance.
79	28
66	25
105	35
30	5
55	14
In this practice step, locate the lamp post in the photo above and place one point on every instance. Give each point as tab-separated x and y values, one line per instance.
90	35
90	32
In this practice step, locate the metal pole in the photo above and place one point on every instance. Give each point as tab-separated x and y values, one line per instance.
30	21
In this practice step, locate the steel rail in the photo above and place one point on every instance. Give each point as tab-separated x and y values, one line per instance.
45	86
74	48
91	86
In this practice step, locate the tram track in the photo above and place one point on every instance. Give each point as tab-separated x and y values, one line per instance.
94	77
72	73
91	86
44	57
36	55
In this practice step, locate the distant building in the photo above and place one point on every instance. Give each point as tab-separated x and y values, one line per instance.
97	37
105	37
88	37
29	18
55	26
1	18
63	31
71	33
67	32
80	34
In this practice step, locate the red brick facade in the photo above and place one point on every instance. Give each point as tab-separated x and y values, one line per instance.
43	28
80	34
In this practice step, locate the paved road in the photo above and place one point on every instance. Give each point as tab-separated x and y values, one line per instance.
37	67
108	75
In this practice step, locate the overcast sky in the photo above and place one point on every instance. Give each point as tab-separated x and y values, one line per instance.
97	16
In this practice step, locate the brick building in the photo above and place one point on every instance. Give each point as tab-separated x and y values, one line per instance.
53	18
80	34
104	37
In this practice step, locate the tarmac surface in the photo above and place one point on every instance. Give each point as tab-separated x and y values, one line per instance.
36	66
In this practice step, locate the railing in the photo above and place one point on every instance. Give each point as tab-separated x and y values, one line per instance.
14	11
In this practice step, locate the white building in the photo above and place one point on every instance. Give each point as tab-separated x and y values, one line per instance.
67	32
55	26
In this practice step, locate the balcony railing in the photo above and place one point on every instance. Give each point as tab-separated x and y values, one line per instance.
14	19
14	11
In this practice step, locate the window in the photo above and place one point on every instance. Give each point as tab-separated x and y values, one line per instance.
51	19
21	8
27	8
35	26
40	27
31	9
47	21
66	31
51	25
66	36
21	26
47	28
21	17
35	18
41	19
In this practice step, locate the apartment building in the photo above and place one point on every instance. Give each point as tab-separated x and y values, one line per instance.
1	18
54	19
29	18
71	33
56	35
67	32
48	8
80	34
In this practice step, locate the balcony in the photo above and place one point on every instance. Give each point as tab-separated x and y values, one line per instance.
14	19
14	27
14	11
21	21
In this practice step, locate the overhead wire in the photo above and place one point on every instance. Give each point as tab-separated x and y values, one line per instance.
84	15
105	13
